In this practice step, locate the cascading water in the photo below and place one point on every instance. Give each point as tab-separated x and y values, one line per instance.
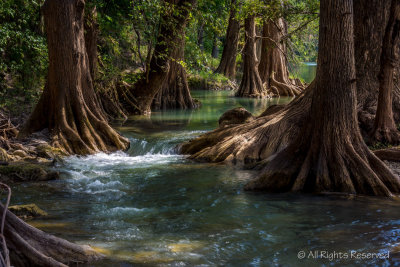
150	206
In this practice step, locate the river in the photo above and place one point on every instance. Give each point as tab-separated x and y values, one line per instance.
153	207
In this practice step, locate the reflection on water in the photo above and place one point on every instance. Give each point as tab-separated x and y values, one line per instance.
152	207
306	70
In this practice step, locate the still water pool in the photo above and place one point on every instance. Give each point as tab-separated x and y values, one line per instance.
153	207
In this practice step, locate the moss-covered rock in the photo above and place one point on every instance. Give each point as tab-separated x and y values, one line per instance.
26	172
47	151
27	211
235	116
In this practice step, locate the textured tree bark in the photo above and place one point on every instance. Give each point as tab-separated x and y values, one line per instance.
68	106
330	154
313	144
29	246
227	65
370	20
384	129
251	84
139	97
278	125
273	66
175	93
91	28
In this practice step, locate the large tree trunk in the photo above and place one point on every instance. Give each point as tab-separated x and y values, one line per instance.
139	97
385	130
315	151
29	246
68	106
330	154
175	93
272	131
227	65
251	84
91	35
273	66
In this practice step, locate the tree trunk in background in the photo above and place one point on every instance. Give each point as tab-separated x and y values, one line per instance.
385	130
175	93
215	48
139	97
330	155
91	35
108	99
200	37
370	20
273	66
68	106
251	84
227	65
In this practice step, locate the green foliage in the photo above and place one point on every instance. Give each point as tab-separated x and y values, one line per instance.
197	59
23	53
302	18
128	32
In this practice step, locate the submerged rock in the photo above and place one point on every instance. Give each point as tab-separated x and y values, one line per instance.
27	211
235	116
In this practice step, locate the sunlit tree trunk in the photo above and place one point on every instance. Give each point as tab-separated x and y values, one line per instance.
175	92
273	66
251	84
69	107
139	97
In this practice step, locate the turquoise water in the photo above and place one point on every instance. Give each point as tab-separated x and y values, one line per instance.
306	71
153	207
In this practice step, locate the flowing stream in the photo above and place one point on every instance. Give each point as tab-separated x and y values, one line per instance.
153	207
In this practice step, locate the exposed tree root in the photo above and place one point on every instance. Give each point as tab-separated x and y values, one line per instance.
69	107
175	92
32	246
284	88
75	128
387	135
310	145
391	154
255	140
348	168
251	84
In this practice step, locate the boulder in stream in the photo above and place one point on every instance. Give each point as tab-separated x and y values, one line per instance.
235	116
